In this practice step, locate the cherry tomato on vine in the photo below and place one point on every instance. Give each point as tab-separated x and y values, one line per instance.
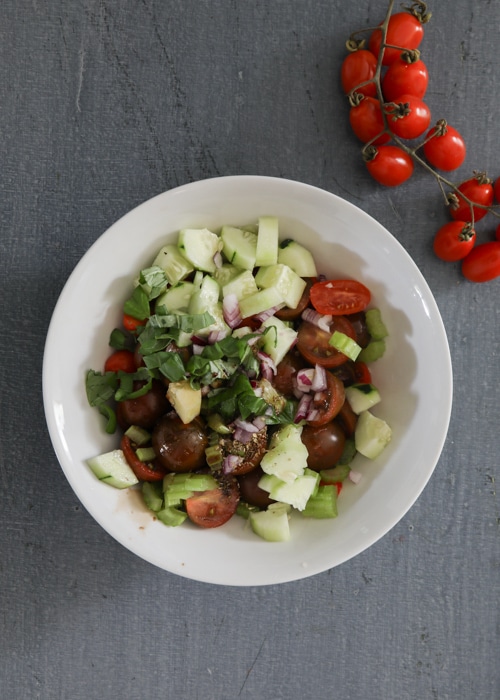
339	297
367	121
454	241
496	190
483	262
358	67
408	75
444	147
480	191
409	117
404	30
120	360
389	165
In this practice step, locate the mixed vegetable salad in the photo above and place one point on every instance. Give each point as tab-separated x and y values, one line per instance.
239	382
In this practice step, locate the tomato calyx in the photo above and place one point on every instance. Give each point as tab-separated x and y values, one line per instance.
419	10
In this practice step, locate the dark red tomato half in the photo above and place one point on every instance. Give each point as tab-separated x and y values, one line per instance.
325	445
215	507
339	297
143	471
144	410
483	262
120	360
328	403
313	342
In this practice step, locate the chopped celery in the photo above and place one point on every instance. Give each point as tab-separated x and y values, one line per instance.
373	351
336	474
171	516
323	504
341	342
153	495
376	327
145	454
138	435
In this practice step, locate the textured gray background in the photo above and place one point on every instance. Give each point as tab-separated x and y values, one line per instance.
105	103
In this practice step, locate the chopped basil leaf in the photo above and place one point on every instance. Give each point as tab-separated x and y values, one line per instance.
153	281
184	322
138	304
100	387
126	384
236	399
119	340
169	363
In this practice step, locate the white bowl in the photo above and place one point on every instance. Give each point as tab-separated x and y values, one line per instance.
414	378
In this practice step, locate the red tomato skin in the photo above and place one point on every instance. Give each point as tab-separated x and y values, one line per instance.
120	360
328	402
339	297
454	241
142	470
412	125
358	67
313	343
403	78
131	324
483	262
209	509
446	152
404	30
367	121
391	166
362	372
477	192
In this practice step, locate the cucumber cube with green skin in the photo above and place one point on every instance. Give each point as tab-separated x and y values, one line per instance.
297	257
225	274
288	283
279	338
173	263
176	298
362	397
206	300
267	241
260	301
372	435
243	285
239	247
113	469
296	493
199	246
287	456
272	524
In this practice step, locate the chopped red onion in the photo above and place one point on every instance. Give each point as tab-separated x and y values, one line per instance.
312	414
302	408
218	259
304	379
198	340
319	382
269	312
197	349
259	423
322	321
215	336
243	436
246	425
355	476
230	462
267	365
231	310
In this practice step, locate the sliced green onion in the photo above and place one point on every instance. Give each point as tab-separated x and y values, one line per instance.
347	346
376	327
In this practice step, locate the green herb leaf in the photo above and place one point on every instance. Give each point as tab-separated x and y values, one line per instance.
138	304
119	340
153	281
100	387
170	364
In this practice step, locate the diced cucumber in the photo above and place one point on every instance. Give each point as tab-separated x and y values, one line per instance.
297	257
362	397
296	493
287	456
243	285
372	435
176	298
288	283
267	241
376	327
279	338
153	495
173	517
206	300
199	246
323	504
225	274
260	301
239	247
271	524
173	263
113	469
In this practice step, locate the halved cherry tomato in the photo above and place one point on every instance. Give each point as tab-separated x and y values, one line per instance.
483	262
367	121
313	342
454	241
347	419
131	324
289	314
339	297
359	67
404	30
215	507
389	165
328	403
142	470
362	373
444	148
408	116
408	75
120	360
324	443
479	190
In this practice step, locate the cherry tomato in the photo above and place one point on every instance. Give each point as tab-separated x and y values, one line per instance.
250	491
454	241
251	451
410	118
325	445
142	470
144	410
339	297
347	418
358	67
389	165
404	30
313	345
483	262
179	447
214	507
480	191
328	403
289	314
408	75
496	190
362	373
358	321
120	360
367	121
286	370
131	324
444	148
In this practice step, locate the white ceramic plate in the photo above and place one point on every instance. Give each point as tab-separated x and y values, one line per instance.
414	378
